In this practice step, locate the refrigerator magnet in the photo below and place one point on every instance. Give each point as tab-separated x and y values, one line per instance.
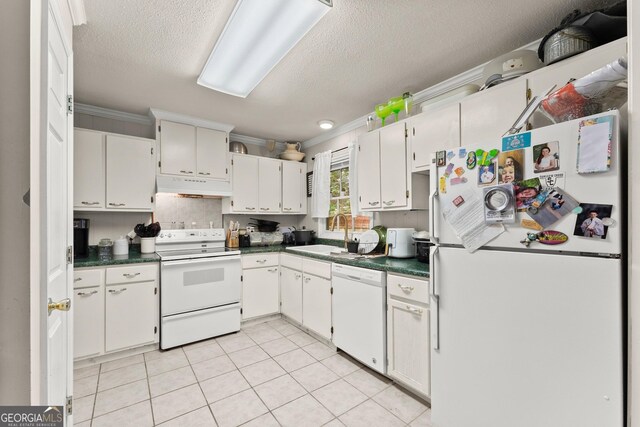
462	152
517	141
530	224
484	158
471	160
546	157
450	155
486	174
458	180
440	158
510	166
594	221
499	204
448	170
594	145
443	185
459	171
550	206
552	237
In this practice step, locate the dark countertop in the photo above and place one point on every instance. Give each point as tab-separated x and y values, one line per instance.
393	265
134	257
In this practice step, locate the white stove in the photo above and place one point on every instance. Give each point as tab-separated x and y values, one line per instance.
200	286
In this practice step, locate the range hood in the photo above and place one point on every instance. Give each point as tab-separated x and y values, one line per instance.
195	186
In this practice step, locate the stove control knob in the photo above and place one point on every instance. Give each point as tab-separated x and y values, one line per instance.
161	235
169	235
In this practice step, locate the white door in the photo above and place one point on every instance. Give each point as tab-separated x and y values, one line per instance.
316	304
245	184
88	318
177	148
211	153
432	131
486	116
540	331
369	176
51	207
292	184
260	292
291	293
88	169
393	166
127	158
130	315
269	185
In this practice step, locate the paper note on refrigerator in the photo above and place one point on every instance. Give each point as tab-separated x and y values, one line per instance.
594	147
466	216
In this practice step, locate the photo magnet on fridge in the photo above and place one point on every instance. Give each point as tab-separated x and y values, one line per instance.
550	206
525	192
546	157
441	158
487	174
592	221
510	166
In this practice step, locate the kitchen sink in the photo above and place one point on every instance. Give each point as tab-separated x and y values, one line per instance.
319	249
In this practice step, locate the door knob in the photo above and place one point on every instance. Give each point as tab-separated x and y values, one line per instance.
62	305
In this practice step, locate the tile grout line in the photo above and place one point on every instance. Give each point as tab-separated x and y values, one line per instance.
153	415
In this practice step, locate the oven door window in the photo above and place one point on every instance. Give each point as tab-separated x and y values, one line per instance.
189	285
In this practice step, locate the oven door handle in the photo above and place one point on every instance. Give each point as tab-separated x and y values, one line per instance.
214	259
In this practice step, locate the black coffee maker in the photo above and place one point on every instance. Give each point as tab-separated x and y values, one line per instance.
80	238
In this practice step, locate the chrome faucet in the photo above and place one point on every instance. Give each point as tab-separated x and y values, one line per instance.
346	227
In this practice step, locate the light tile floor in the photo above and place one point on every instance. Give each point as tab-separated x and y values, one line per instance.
268	374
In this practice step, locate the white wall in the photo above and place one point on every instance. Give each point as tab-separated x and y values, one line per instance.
14	214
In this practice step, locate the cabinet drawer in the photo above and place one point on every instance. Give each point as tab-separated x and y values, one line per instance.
84	278
409	288
291	261
259	260
317	268
138	273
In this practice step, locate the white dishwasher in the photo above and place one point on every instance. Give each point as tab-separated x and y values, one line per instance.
360	314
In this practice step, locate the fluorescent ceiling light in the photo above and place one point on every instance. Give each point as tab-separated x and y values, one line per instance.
257	36
325	124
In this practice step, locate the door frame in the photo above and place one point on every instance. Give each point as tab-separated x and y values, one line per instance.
39	11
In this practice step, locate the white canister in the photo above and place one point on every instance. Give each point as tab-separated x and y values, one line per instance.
121	246
147	245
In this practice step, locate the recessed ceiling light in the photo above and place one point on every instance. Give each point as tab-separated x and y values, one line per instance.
325	124
257	36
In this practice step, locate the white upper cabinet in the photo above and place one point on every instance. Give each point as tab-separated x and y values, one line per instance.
432	131
88	170
369	171
211	153
245	184
487	115
393	166
261	185
193	151
177	148
130	173
269	185
293	191
113	172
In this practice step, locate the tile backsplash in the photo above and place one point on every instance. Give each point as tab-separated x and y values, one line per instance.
172	209
111	225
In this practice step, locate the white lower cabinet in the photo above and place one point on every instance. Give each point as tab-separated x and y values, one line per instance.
88	325
291	293
114	308
260	292
408	333
316	304
305	292
130	315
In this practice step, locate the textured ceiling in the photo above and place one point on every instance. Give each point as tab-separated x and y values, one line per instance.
132	55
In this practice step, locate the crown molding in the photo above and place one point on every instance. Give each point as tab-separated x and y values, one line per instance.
156	114
247	139
469	76
108	113
78	14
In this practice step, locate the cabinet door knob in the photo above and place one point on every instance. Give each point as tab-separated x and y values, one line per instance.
261	261
77	279
117	291
373	203
90	203
130	276
287	209
186	171
250	209
271	270
264	209
306	279
117	204
204	173
414	310
390	202
298	276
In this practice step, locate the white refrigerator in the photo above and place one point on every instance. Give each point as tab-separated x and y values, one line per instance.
529	336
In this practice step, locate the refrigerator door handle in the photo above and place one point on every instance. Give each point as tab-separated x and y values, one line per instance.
435	301
432	201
